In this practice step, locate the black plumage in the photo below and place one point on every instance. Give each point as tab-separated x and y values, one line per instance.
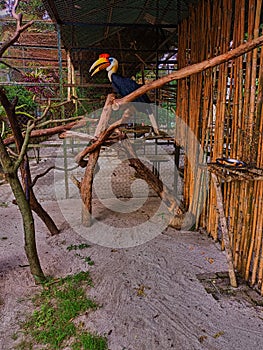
124	86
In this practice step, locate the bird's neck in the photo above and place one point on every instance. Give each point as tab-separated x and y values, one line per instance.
112	70
110	75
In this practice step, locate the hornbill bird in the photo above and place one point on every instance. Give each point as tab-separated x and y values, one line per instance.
121	85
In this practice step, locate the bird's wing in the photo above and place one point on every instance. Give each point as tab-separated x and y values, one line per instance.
124	86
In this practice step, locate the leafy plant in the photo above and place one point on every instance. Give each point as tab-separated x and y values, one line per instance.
87	341
87	259
78	246
35	8
24	96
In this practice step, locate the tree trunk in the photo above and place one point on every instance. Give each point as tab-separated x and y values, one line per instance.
24	207
24	167
86	189
29	228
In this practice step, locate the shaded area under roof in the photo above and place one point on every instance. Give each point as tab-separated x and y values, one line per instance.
134	31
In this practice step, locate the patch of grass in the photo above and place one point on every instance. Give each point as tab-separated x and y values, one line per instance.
24	345
81	246
87	259
87	341
78	246
60	302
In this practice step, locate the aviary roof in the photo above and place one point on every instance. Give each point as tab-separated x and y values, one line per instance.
123	28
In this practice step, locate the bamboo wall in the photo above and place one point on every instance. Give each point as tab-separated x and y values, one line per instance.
223	106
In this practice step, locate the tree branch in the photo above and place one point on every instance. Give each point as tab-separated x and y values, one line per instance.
5	159
41	175
77	135
23	151
101	137
51	131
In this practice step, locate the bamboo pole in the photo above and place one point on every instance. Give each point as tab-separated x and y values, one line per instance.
258	234
238	122
247	234
259	163
213	213
228	250
252	106
237	224
252	238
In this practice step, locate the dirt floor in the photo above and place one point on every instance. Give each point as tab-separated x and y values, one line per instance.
168	292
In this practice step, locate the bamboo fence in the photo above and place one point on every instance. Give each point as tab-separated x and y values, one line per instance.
223	107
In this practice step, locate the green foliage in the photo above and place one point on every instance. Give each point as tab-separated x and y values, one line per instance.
60	302
25	109
24	96
78	246
87	259
87	341
35	8
81	246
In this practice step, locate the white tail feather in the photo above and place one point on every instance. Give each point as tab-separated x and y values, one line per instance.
154	123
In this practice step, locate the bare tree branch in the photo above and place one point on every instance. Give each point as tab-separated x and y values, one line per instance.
41	175
23	151
102	136
20	28
51	131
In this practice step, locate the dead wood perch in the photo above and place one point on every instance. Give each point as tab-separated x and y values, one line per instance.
76	135
174	206
180	74
51	131
143	172
97	142
87	181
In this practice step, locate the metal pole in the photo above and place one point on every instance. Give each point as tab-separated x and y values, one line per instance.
62	110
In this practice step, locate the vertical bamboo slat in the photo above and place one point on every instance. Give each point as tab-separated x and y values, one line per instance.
223	107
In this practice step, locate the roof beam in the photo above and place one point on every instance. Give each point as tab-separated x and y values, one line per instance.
53	8
113	24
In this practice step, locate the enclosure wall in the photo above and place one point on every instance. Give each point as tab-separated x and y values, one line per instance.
223	106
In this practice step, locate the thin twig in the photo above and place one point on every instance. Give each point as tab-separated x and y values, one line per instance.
41	175
23	151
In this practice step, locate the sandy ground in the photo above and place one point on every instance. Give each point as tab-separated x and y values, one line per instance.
174	310
150	294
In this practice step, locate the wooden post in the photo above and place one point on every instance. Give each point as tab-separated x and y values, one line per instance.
225	234
86	183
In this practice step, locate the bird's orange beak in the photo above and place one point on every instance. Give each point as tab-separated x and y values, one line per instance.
101	63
